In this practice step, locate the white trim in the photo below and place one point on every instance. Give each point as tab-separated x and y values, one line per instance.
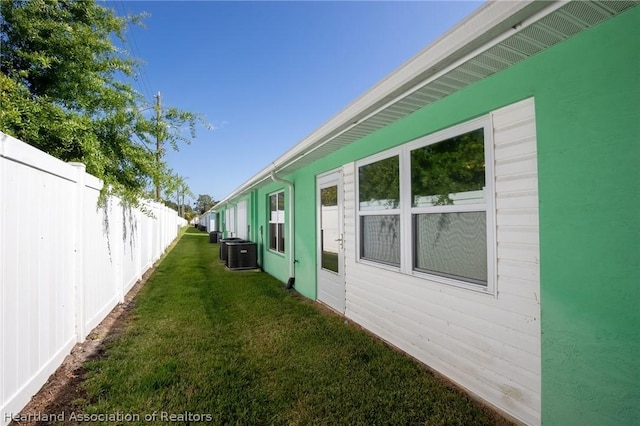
242	222
280	219
405	211
489	25
230	221
331	285
490	200
476	29
383	155
447	133
487	344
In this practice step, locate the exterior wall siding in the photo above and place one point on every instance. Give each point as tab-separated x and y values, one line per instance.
488	345
558	343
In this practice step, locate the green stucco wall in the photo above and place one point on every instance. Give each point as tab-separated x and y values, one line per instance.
276	264
589	167
587	95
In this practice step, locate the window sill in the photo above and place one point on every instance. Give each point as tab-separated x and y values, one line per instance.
451	282
488	290
380	265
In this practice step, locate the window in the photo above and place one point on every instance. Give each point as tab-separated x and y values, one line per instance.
424	208
378	205
448	208
276	222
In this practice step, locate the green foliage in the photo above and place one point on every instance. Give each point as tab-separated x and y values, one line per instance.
189	214
204	203
380	181
438	170
329	196
63	91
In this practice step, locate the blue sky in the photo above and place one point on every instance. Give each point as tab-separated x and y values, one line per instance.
267	74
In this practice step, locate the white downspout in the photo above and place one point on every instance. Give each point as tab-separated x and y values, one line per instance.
292	263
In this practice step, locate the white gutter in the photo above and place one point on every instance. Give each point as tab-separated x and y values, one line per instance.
486	23
291	221
490	21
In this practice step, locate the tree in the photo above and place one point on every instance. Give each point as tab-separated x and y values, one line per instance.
189	214
204	203
63	90
175	185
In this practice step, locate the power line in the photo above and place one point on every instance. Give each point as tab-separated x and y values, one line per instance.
131	46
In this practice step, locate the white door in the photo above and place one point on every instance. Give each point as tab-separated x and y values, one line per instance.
231	222
331	288
242	221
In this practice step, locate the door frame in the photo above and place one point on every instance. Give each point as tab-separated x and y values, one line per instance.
328	281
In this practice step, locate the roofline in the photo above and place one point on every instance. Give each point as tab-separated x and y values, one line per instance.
492	21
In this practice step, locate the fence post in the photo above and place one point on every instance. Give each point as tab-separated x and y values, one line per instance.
78	251
117	246
139	216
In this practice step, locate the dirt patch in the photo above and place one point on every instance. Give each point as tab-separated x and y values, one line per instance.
63	391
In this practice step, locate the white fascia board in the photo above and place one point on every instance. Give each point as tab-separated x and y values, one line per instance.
485	24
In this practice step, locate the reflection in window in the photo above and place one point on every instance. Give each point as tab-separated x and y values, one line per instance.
379	185
378	207
446	218
452	242
330	228
276	222
449	172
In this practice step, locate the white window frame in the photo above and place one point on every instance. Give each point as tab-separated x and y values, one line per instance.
279	219
391	212
406	211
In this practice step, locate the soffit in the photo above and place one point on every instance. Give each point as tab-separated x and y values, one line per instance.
565	22
514	41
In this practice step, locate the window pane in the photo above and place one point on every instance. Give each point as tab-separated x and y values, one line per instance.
449	172
452	245
273	203
273	236
329	196
379	185
330	228
281	237
380	238
281	201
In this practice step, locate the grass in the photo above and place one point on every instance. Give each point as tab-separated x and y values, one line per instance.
237	348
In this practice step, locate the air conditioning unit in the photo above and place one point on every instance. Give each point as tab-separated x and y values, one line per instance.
242	255
223	247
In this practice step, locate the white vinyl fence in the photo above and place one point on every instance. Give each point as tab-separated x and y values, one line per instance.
64	263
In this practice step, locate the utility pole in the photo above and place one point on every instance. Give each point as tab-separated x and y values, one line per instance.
158	143
178	200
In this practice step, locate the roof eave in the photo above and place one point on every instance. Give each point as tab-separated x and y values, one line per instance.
490	21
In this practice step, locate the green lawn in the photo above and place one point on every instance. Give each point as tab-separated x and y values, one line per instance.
237	348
